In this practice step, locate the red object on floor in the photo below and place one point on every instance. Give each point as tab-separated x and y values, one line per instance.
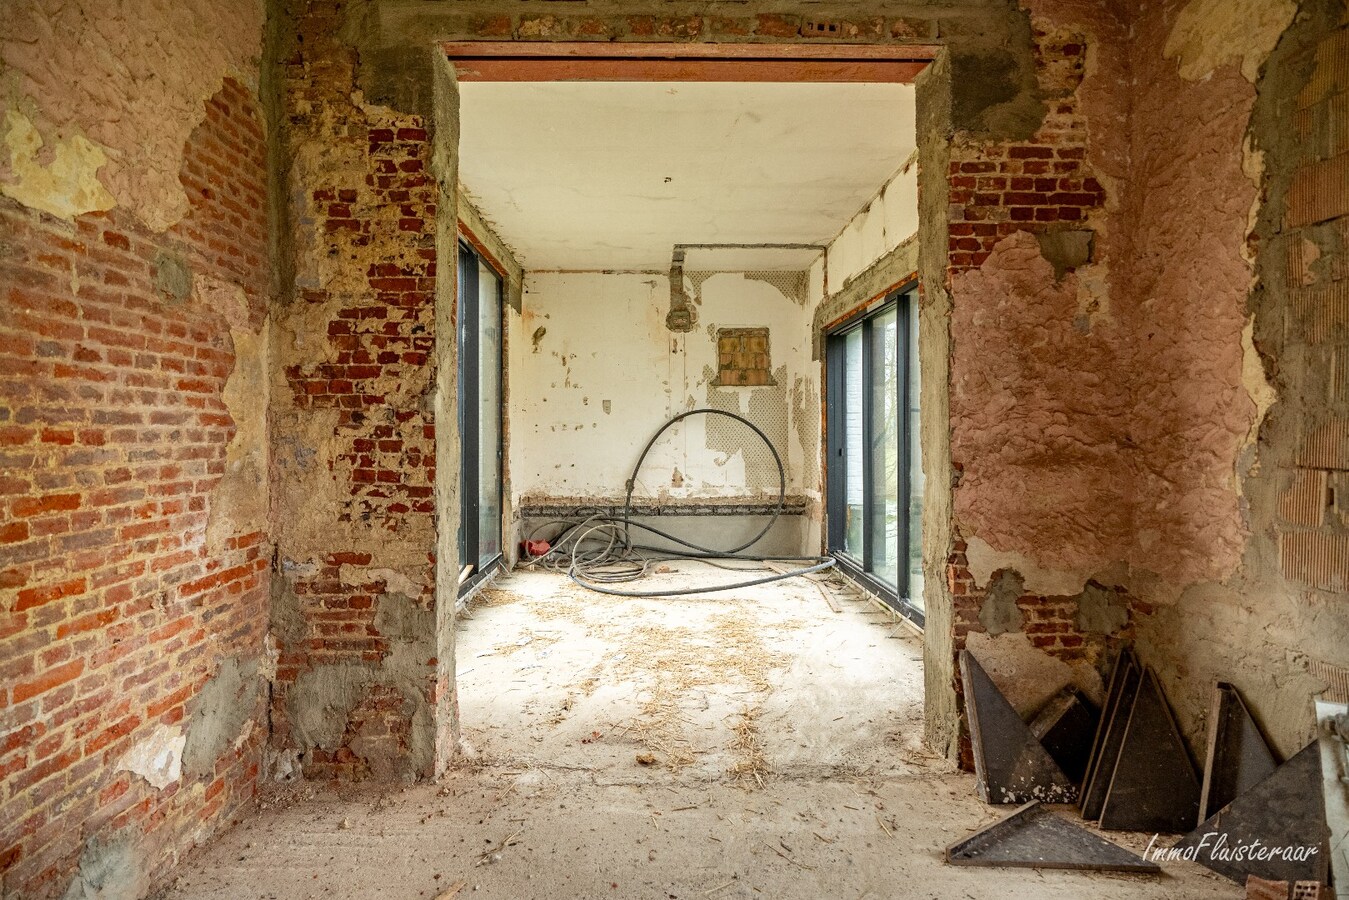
536	548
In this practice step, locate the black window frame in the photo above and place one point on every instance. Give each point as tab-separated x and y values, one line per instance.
470	431
904	302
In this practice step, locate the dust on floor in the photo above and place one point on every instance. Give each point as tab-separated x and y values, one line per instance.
753	744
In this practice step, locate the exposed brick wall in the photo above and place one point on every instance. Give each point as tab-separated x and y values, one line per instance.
1000	188
354	398
114	611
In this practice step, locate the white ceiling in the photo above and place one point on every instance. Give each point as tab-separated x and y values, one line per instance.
612	175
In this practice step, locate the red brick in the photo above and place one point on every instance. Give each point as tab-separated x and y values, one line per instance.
26	507
38	596
52	678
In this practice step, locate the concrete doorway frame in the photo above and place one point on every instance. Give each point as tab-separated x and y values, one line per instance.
926	66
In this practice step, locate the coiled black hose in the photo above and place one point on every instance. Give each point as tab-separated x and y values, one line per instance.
597	550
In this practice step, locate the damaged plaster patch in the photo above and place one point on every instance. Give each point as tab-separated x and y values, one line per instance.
1255	382
302	331
994	92
225	298
1100	611
984	560
999	613
224	707
239	503
1066	249
158	758
1036	413
395	582
173	277
795	286
67	184
806	416
281	765
286	620
1210	33
133	78
767	408
323	699
1027	676
110	869
400	618
313	491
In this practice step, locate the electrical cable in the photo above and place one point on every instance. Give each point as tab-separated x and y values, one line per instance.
596	549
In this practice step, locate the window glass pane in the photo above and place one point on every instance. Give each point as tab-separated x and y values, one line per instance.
915	548
489	415
467	266
884	448
853	444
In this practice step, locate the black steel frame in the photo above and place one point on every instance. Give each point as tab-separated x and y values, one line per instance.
903	301
470	430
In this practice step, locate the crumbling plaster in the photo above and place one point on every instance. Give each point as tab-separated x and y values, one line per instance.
352	378
1253	624
1209	34
606	373
990	92
100	101
1039	421
1099	310
239	504
1197	366
1179	498
323	698
1143	381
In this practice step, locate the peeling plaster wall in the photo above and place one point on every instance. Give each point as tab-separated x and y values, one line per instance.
68	66
353	380
1033	129
1105	412
1040	365
605	373
1254	571
133	350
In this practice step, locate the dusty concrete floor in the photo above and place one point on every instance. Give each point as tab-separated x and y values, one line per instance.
746	745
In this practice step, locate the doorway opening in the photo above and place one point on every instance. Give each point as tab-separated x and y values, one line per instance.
679	229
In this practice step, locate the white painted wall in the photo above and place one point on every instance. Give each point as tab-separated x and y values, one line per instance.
606	373
879	227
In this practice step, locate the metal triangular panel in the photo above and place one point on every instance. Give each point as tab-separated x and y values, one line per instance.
1033	837
1065	727
1154	786
1010	764
1238	757
1110	734
1286	810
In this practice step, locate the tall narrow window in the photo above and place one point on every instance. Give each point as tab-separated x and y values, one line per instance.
479	321
875	477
